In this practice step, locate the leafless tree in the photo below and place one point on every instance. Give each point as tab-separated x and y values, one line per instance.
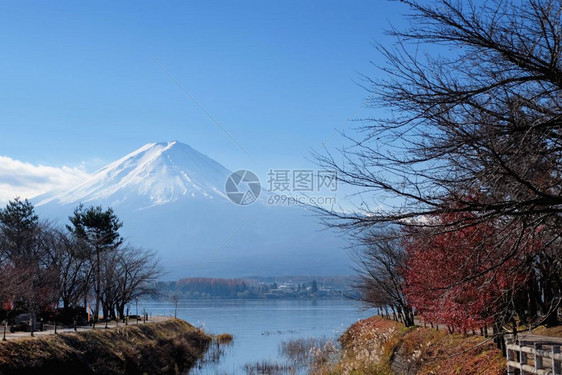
128	273
140	269
472	123
484	118
29	278
380	264
70	258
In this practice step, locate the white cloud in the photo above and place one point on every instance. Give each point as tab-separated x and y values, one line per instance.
25	180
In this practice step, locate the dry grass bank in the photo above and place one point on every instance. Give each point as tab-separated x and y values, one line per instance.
376	346
169	347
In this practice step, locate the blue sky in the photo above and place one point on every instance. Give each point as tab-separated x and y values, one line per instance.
79	88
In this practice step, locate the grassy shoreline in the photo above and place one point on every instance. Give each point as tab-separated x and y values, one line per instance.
169	347
376	346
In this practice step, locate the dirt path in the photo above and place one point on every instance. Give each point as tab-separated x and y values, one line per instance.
51	331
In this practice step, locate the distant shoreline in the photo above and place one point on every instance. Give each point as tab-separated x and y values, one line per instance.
257	298
286	287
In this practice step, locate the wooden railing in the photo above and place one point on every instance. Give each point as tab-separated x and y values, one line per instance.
532	357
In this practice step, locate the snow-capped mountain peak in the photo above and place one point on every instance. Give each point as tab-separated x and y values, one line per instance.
155	174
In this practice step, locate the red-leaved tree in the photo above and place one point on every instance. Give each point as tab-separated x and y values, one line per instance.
461	278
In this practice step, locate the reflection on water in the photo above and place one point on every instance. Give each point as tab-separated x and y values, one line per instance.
212	357
260	327
310	353
270	368
298	356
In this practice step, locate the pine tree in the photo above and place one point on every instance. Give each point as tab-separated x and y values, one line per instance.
99	231
19	225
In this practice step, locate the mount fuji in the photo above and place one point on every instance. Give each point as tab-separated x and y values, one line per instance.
171	199
155	174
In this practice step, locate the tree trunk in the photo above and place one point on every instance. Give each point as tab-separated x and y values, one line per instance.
98	286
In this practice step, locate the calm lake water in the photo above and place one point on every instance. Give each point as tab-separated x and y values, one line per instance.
259	326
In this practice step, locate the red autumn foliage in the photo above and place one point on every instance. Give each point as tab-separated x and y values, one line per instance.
459	278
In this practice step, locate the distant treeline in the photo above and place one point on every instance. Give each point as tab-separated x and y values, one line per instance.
283	287
204	287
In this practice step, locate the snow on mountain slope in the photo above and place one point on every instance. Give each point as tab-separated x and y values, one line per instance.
157	173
